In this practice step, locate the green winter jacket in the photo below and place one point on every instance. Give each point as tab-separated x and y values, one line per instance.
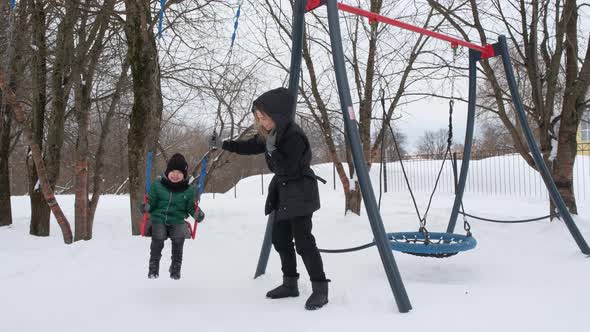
168	207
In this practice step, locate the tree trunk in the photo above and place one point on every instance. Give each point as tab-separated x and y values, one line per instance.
5	126
39	209
35	152
563	165
366	102
61	83
350	201
86	64
82	231
8	25
353	198
576	89
146	114
365	90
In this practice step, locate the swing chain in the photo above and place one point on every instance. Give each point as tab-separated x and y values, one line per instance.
466	226
450	133
452	99
424	231
214	140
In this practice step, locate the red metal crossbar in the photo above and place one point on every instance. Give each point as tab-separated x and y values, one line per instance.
487	51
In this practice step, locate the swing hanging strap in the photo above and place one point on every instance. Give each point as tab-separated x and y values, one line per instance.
146	214
199	187
421	218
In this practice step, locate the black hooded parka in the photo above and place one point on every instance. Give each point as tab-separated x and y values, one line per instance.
293	191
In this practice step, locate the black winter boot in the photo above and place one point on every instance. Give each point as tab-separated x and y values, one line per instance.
154	268
287	289
155	255
176	258
319	296
175	270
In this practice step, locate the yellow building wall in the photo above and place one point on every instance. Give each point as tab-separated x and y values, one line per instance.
583	147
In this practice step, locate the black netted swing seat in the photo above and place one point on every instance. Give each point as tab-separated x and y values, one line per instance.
438	245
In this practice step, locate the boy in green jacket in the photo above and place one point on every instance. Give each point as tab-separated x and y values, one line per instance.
171	200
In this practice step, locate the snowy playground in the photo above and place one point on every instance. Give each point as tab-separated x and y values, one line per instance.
523	277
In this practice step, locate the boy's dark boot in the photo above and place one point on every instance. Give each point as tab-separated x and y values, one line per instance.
155	255
175	270
319	296
176	258
154	268
287	289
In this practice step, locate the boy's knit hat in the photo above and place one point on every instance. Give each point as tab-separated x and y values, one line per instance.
177	162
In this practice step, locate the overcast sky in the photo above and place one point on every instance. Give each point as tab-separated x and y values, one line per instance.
418	117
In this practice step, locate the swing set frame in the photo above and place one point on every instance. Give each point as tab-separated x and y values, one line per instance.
476	53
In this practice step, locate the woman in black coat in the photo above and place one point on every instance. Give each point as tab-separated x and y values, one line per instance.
292	194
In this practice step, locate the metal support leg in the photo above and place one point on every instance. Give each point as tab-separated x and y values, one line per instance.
266	246
393	275
502	48
474	56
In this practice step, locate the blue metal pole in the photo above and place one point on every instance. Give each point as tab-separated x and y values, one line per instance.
266	246
502	48
474	56
296	48
391	270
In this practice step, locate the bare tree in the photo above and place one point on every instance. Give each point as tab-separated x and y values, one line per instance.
48	195
62	79
494	137
433	144
546	47
391	147
100	155
233	87
92	37
10	21
39	209
379	57
146	114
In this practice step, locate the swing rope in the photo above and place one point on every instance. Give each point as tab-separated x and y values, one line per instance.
396	146
199	187
421	217
226	64
340	251
512	221
447	244
466	224
161	17
423	243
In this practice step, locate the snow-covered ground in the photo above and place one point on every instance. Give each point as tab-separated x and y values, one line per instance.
526	277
